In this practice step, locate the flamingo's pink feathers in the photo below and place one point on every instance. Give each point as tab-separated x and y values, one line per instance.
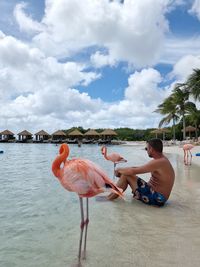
187	147
82	176
114	157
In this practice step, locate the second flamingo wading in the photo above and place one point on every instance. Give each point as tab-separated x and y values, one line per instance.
114	157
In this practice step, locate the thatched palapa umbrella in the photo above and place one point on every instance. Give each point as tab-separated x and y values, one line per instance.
160	131
189	129
156	132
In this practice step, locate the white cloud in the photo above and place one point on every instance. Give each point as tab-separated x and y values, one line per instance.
195	9
29	70
100	60
26	23
121	29
175	48
184	67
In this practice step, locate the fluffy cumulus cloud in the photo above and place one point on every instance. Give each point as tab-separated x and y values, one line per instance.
185	66
122	29
32	85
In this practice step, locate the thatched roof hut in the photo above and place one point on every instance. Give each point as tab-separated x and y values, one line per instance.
75	133
91	133
91	136
24	135
42	135
58	135
108	132
6	135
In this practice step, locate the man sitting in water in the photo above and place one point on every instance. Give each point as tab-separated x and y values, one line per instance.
157	190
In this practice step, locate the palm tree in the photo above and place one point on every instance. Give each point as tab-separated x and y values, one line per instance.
193	84
176	106
194	117
168	108
180	95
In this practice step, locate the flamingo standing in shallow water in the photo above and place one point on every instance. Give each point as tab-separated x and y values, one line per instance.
86	179
187	153
114	157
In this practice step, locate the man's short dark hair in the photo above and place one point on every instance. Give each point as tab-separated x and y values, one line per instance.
156	144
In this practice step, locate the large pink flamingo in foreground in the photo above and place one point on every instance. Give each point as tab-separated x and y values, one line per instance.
114	157
84	178
187	153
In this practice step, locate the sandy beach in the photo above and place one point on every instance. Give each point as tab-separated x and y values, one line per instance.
175	149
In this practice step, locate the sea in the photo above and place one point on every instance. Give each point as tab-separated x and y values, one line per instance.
40	220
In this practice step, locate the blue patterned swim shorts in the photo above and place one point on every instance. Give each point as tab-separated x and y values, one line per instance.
147	195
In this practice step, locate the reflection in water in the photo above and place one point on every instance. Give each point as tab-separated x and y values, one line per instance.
39	220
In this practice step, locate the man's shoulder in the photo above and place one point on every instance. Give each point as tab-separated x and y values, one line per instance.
161	160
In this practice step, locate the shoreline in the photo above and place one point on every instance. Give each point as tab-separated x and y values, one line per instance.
178	150
173	149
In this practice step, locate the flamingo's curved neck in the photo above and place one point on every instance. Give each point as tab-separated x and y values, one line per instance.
64	152
104	152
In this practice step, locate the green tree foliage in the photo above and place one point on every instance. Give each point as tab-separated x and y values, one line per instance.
193	84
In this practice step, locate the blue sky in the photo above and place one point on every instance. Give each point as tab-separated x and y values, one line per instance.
96	64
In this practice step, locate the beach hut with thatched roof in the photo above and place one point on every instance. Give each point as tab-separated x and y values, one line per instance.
91	135
108	134
58	136
24	136
42	135
6	135
75	135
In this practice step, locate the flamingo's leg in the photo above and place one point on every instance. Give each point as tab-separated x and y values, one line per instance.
185	157
190	157
115	164
86	227
82	228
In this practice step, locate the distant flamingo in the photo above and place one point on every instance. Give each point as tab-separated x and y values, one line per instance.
186	150
86	179
114	157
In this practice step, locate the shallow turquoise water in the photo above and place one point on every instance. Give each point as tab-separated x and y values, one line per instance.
39	220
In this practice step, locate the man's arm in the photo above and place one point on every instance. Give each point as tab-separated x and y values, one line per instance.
149	167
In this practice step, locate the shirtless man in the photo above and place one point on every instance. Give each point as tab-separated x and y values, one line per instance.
157	190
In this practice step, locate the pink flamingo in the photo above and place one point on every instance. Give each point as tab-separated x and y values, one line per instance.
86	179
114	157
186	150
